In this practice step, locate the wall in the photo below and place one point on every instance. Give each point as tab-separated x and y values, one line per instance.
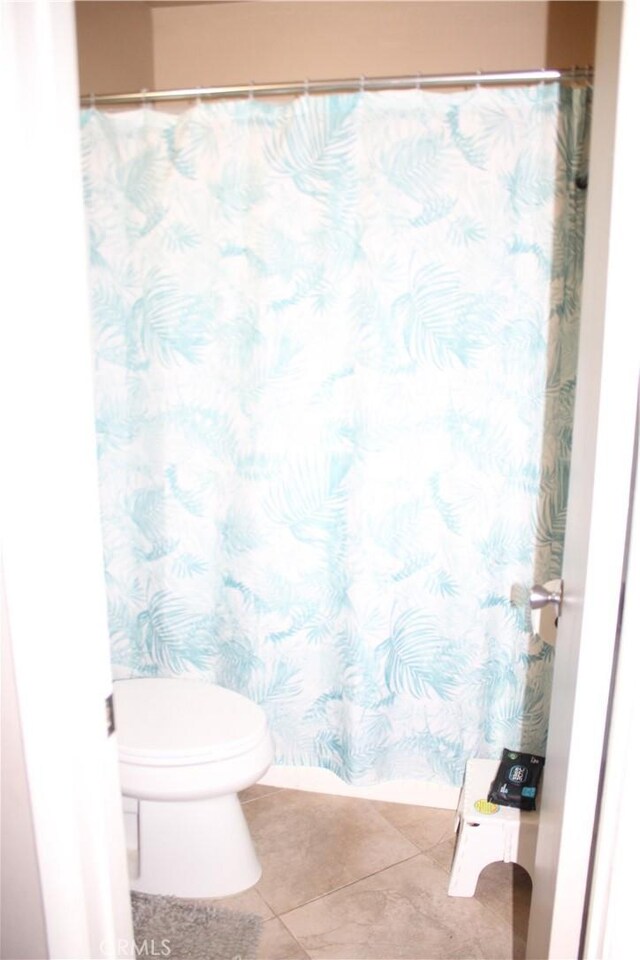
231	42
115	46
129	46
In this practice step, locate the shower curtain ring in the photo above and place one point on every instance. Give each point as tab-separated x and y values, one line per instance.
92	100
306	87
418	79
362	83
478	75
251	89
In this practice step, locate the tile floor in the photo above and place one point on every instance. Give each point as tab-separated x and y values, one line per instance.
349	879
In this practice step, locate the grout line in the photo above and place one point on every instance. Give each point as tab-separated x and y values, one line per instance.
373	873
268	906
406	836
344	886
292	935
261	797
445	870
427	854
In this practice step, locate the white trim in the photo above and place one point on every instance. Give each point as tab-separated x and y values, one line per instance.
317	780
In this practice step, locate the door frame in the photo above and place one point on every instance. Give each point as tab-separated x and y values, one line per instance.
598	509
55	619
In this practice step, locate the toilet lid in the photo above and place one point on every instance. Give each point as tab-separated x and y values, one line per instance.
171	722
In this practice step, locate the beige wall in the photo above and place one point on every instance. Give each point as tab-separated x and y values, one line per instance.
115	46
128	46
239	42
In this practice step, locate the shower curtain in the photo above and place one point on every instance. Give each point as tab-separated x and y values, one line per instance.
335	352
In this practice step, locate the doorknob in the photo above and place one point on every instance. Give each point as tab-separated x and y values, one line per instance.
540	596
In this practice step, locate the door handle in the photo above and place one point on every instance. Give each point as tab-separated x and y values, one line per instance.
541	596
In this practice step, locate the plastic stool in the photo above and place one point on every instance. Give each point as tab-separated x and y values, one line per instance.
507	834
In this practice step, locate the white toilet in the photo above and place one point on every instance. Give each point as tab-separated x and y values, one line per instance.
185	748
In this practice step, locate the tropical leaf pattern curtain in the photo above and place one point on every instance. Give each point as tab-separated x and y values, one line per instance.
335	351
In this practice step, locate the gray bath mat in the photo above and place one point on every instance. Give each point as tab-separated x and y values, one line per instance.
192	930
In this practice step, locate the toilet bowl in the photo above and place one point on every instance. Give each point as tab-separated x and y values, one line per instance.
185	749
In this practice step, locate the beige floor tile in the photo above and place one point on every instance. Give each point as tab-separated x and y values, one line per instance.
401	912
249	901
519	949
469	950
501	944
424	826
276	943
256	791
442	853
506	889
310	844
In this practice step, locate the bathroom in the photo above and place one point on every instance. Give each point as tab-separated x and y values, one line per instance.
377	42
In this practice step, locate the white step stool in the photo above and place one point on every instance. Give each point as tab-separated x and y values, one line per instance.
507	834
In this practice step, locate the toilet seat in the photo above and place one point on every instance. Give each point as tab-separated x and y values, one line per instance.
163	722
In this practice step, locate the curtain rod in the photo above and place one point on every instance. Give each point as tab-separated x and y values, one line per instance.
339	86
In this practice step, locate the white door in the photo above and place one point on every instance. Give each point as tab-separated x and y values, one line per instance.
612	908
599	497
55	618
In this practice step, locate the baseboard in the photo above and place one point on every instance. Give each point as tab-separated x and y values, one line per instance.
318	780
